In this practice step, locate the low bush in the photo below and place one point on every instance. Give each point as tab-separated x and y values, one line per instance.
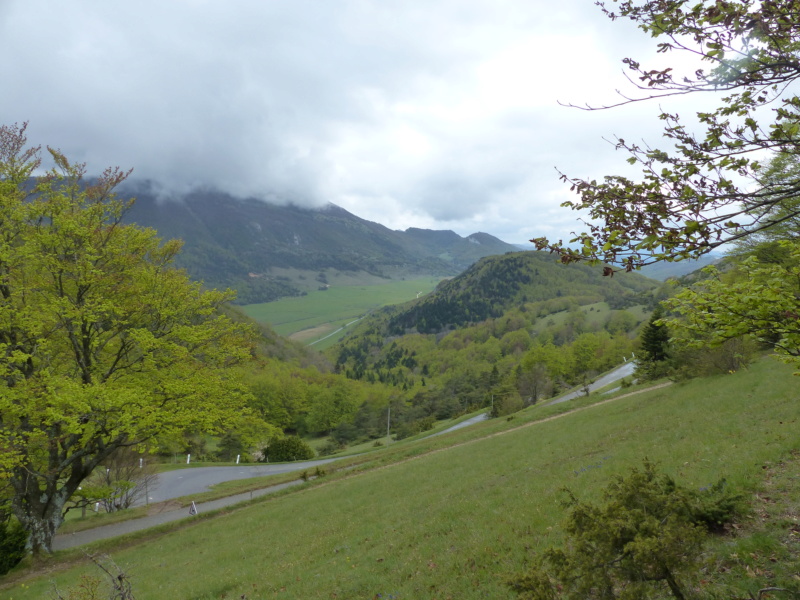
12	544
642	543
287	449
332	447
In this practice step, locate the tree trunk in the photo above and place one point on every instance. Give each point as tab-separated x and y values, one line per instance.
41	520
42	532
39	503
673	586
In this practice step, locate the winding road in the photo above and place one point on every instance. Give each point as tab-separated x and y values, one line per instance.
185	482
619	373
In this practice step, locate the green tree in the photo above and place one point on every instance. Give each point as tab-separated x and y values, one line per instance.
620	321
331	406
709	188
506	399
12	538
639	543
585	350
534	382
755	295
516	342
558	362
758	299
782	172
655	338
280	396
103	344
289	448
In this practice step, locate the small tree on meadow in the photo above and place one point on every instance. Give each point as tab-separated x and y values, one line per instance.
642	543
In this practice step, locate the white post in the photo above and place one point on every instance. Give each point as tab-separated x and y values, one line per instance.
237	458
188	458
141	461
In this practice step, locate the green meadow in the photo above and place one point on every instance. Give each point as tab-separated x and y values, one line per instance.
322	312
596	315
456	516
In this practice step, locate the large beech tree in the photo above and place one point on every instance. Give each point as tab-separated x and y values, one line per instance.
103	344
707	187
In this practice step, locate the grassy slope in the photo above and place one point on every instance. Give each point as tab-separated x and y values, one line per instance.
458	522
596	315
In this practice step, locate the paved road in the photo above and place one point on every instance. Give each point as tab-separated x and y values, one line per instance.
70	540
470	421
185	482
335	332
619	373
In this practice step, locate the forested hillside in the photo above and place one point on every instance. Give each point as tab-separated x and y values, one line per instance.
495	284
511	330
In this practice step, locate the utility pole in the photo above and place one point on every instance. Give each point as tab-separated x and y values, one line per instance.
388	422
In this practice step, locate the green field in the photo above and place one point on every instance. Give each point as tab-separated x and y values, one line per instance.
456	516
596	315
314	316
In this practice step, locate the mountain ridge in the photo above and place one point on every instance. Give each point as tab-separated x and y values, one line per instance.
266	251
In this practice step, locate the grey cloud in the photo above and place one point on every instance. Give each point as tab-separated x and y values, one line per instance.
387	107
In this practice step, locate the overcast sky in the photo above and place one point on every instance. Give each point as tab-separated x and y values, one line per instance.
438	114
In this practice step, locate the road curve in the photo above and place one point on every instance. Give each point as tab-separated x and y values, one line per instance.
466	423
185	482
619	373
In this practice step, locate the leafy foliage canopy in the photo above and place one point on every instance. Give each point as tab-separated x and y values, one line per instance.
708	188
102	344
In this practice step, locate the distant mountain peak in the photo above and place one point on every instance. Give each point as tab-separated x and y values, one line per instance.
442	233
479	237
331	208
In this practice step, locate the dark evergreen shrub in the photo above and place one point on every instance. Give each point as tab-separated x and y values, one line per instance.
12	545
288	448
